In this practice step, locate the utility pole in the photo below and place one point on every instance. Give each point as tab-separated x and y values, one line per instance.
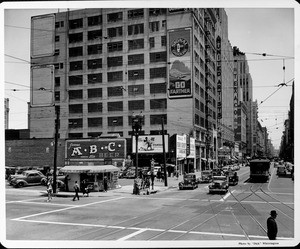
164	152
55	148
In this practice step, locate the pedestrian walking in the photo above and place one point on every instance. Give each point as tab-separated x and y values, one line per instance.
152	176
49	190
66	180
83	187
76	188
105	184
272	225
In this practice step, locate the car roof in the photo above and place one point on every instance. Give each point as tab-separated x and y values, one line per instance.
32	171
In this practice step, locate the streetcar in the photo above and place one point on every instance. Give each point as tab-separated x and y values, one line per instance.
260	169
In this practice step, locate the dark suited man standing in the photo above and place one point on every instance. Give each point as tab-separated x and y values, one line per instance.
272	225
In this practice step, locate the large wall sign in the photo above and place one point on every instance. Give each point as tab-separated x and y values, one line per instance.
180	64
181	146
150	144
96	149
219	78
235	96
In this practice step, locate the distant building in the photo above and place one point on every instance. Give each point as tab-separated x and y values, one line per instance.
6	113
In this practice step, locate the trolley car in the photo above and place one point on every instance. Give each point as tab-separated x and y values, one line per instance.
259	170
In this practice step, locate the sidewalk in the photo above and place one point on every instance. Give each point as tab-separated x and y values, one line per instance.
172	183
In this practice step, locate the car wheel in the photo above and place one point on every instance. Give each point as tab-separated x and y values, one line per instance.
20	184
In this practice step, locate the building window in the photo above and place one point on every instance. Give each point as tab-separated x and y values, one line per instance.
115	106
158	88
163	24
158	104
95	63
77	37
75	123
136	90
75	94
137	74
114	32
94	20
76	51
154	26
115	76
115	17
94	107
94	78
59	24
136	105
58	65
136	13
94	34
56	52
57	81
95	49
157	11
197	88
76	65
114	61
57	38
114	46
76	23
158	57
94	134
135	44
197	104
135	59
115	121
152	42
114	91
75	135
95	93
163	41
136	29
75	80
201	107
73	109
157	119
159	72
57	96
197	122
94	122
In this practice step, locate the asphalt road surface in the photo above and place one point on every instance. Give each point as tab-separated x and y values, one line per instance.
175	218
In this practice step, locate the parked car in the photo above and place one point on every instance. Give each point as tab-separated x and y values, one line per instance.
281	170
60	177
206	176
219	184
189	181
28	177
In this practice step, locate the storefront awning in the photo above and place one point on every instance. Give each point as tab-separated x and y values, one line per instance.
88	169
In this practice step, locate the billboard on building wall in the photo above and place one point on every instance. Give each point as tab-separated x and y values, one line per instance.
180	73
150	144
95	149
181	146
42	35
219	78
42	86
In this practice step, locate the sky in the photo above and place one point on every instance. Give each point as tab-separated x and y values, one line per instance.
253	30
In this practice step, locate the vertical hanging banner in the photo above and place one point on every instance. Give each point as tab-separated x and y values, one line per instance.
219	78
180	64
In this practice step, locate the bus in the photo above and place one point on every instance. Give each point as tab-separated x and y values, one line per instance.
260	169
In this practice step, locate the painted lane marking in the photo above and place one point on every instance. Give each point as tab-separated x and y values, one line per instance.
8	202
63	209
140	230
226	196
132	235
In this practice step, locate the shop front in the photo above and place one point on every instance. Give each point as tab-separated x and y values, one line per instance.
93	175
94	161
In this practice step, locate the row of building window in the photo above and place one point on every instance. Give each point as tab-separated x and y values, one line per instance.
111	17
118	106
113	121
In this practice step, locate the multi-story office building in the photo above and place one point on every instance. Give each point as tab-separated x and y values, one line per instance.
100	66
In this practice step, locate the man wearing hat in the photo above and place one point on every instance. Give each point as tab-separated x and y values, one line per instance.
272	225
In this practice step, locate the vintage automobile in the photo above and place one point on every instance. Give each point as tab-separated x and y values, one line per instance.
189	181
28	177
206	176
218	184
281	170
233	178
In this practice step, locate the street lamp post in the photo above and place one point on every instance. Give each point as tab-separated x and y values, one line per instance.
136	128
